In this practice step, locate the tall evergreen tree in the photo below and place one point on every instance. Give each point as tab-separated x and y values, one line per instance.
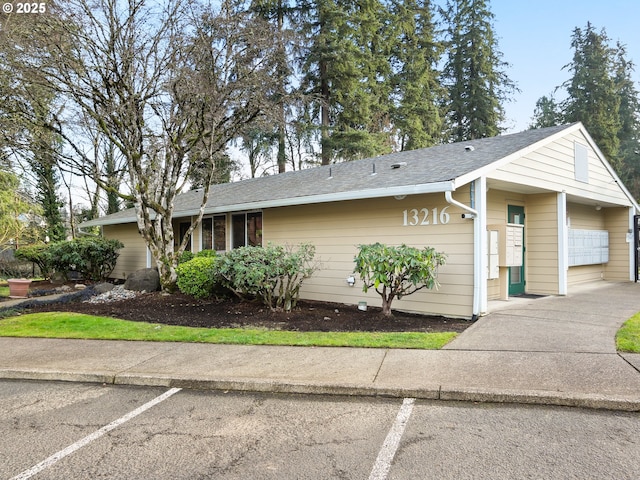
281	14
629	133
344	71
546	113
416	87
593	98
474	73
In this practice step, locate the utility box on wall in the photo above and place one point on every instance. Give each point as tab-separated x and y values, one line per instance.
510	242
494	242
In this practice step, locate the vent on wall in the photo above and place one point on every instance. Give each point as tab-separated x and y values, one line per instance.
581	162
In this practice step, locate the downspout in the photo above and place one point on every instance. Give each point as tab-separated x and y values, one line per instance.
479	243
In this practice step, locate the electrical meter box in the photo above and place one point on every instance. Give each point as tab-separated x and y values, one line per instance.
509	248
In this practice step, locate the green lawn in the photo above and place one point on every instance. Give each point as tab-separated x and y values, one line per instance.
628	337
75	325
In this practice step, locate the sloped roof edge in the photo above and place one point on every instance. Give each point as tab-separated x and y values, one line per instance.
429	170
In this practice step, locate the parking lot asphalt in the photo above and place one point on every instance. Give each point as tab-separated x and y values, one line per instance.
551	350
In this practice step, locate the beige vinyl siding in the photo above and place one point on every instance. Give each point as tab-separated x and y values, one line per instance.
617	223
552	168
336	229
541	242
585	217
134	254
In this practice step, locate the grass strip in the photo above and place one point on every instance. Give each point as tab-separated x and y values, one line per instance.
628	337
80	326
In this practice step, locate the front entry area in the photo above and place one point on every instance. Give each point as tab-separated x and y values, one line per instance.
516	274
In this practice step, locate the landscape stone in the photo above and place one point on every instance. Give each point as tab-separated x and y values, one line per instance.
103	287
147	280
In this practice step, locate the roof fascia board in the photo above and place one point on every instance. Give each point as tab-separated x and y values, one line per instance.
487	169
436	187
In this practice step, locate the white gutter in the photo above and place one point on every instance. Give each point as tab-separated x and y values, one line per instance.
479	195
449	198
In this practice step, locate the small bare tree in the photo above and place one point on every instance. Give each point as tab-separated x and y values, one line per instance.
167	83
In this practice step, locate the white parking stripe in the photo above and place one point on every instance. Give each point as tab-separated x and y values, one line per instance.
90	438
391	443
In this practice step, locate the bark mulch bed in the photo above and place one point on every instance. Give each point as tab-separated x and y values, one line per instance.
179	309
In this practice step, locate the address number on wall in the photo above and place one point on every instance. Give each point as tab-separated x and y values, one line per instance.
425	216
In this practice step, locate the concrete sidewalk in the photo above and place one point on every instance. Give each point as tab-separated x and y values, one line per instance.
553	350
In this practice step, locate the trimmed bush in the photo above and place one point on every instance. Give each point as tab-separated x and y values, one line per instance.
273	274
38	254
185	257
397	271
94	258
198	276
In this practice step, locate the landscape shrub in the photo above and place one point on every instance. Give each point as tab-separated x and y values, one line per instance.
94	258
38	254
397	271
185	257
272	274
198	276
207	253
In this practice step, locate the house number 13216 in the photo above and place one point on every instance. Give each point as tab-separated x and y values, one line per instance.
425	216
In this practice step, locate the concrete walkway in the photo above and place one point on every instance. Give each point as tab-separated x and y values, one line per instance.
552	350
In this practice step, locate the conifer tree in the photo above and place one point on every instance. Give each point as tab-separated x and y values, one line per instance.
281	14
474	73
417	92
344	71
546	113
629	133
593	97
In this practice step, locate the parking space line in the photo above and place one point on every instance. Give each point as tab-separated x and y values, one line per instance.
93	436
392	442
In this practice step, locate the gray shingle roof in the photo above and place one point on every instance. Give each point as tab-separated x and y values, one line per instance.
422	167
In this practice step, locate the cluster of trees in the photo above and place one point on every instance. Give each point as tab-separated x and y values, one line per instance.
144	97
601	94
139	100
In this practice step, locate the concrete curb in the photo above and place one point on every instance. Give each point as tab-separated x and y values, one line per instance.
478	395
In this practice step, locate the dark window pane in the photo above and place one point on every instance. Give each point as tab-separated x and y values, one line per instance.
184	226
238	230
254	229
220	233
207	233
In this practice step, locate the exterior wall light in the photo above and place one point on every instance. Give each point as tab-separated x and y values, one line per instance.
351	280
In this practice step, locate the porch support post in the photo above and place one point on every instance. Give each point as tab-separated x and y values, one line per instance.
631	237
563	244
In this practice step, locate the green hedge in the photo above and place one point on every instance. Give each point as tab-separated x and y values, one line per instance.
198	277
94	258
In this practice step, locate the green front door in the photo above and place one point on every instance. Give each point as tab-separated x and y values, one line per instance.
516	274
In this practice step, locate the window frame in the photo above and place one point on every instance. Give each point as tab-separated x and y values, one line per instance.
246	230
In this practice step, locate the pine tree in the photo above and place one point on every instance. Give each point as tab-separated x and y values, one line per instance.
546	113
281	14
474	72
416	114
629	133
593	97
343	69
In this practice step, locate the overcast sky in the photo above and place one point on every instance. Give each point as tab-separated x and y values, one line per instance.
535	38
